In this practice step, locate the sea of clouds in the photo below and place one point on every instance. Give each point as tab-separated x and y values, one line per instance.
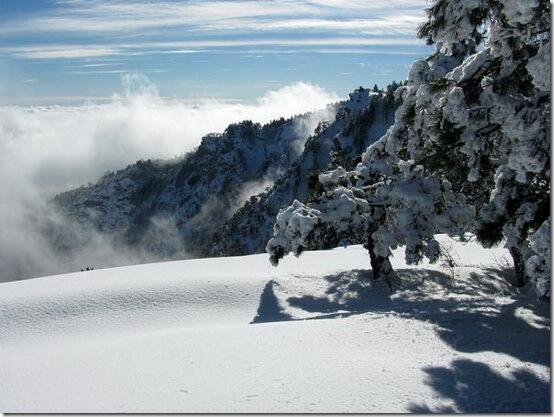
48	149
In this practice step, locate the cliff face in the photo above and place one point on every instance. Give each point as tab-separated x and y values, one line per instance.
222	198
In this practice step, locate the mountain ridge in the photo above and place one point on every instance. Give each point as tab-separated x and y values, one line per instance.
195	205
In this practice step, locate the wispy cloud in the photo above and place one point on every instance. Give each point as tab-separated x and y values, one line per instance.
394	24
119	71
58	51
100	27
96	64
181	51
79	47
119	16
89	51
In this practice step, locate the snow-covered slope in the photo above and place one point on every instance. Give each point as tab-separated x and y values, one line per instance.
313	335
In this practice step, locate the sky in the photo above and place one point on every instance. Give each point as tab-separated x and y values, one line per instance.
73	51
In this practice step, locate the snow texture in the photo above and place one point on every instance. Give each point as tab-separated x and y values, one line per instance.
316	334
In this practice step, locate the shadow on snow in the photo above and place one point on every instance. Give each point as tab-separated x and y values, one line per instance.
270	309
468	324
474	387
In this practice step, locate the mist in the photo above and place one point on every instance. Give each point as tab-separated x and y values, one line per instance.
48	149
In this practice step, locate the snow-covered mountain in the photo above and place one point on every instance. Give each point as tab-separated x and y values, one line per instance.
195	206
360	121
148	201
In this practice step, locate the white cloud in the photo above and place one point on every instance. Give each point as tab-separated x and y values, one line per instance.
96	64
91	51
58	51
119	16
137	124
193	24
182	51
363	51
394	24
44	150
120	71
284	41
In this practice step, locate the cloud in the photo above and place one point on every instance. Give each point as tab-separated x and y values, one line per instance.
45	150
58	51
67	146
184	26
122	16
119	16
386	25
201	45
363	51
284	41
120	71
96	64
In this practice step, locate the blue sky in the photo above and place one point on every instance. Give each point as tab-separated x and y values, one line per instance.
67	51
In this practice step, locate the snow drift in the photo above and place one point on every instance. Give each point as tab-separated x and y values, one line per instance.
235	335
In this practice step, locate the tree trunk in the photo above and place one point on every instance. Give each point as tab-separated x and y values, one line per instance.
519	266
380	265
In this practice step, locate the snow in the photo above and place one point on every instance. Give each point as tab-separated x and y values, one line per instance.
520	12
538	265
179	337
539	67
298	221
332	177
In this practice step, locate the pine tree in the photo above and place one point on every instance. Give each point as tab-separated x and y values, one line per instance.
499	99
468	152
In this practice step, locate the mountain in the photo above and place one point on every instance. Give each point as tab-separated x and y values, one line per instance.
222	198
360	121
147	201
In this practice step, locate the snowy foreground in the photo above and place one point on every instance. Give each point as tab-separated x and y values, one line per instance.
237	335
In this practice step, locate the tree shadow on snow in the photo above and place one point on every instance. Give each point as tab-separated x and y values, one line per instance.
473	387
467	324
269	308
349	292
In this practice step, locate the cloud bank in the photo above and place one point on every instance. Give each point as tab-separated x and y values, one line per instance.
45	150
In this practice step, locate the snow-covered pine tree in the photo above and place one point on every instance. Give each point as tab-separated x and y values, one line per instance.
386	201
471	136
499	102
